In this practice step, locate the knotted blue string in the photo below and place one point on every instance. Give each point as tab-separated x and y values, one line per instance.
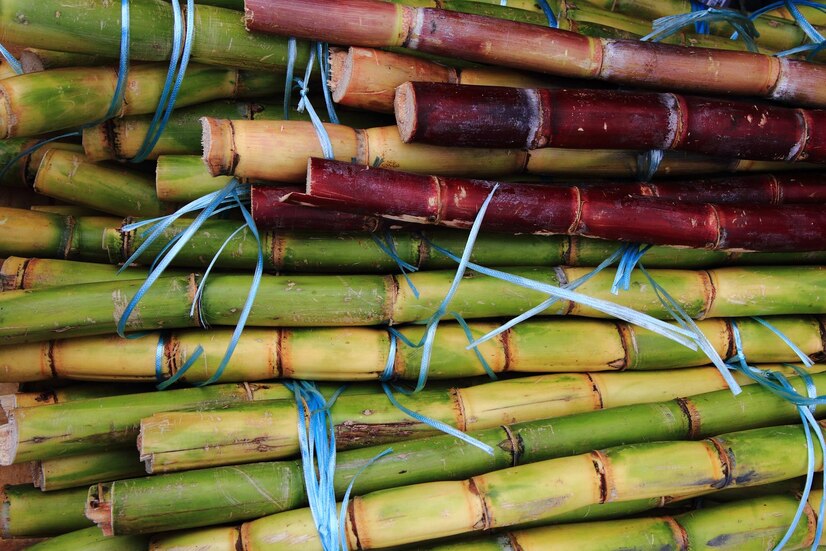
317	442
778	384
388	247
667	26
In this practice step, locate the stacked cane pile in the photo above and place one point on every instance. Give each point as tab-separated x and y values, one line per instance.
228	308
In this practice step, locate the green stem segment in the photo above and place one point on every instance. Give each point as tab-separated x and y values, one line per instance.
225	494
360	354
364	300
28	512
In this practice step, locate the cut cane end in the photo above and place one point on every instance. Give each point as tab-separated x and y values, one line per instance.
217	141
405	108
7	118
31	62
99	509
38	477
98	142
7	403
8	443
341	72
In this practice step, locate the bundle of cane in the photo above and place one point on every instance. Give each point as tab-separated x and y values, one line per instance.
336	307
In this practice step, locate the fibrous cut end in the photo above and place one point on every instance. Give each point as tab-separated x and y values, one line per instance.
405	108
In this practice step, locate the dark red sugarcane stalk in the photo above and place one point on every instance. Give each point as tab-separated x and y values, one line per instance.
758	189
490	116
269	212
572	210
378	24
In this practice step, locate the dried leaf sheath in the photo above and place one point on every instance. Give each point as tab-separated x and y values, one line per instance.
530	47
490	116
539	209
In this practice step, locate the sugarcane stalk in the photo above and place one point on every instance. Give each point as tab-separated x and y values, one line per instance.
184	178
360	354
561	210
73	178
30	233
66	210
241	148
83	426
749	524
85	94
83	470
94	28
122	138
524	46
366	78
202	497
28	512
102	240
322	300
173	441
21	173
91	539
35	60
35	273
535	492
508	117
66	394
20	198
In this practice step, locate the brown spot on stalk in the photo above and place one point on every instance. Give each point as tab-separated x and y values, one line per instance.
459	408
423	250
562	280
680	533
352	435
731	347
48	358
276	361
278	249
351	514
709	289
597	393
392	289
628	342
127	239
821	321
692	416
486	521
171	354
507	349
513	444
192	289
727	462
600	462
68	236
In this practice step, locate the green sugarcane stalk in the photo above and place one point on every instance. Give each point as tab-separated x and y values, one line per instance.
361	354
67	394
353	253
536	492
229	538
79	427
73	178
748	524
364	300
95	28
66	210
83	470
35	273
30	233
184	178
225	494
21	172
57	99
28	512
91	539
178	440
35	60
122	138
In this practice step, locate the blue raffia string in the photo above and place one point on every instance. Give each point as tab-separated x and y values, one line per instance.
11	60
648	163
346	499
179	61
778	384
553	22
817	38
667	26
388	247
700	27
387	377
323	50
288	82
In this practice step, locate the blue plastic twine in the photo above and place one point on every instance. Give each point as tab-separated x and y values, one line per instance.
667	26
701	27
11	60
648	163
553	22
817	38
779	385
